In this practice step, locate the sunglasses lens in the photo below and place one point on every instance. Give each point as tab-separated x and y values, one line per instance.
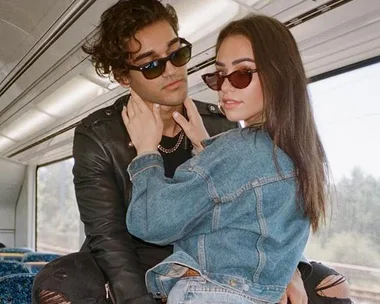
181	56
214	81
154	69
178	58
240	79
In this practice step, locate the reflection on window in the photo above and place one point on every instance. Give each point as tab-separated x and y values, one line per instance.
347	111
58	228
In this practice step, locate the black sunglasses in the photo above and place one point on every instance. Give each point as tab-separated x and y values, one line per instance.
239	79
155	68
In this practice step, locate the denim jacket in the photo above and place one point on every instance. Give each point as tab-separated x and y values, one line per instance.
232	213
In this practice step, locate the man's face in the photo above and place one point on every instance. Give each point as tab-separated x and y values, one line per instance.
157	41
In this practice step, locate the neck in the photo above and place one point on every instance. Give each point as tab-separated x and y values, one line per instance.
171	128
257	120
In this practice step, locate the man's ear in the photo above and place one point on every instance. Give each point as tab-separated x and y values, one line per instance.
125	82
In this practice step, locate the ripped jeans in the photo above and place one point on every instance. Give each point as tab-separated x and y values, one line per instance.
315	291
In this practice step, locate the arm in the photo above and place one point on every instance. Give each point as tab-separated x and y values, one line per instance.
102	211
159	211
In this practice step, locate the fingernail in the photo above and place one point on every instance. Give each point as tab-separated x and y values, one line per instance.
156	105
175	114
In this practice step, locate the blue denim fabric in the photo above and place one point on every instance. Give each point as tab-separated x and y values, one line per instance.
230	212
196	290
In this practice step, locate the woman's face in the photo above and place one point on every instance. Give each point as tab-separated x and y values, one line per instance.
236	54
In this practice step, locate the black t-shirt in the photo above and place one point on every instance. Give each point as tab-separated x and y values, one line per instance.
176	158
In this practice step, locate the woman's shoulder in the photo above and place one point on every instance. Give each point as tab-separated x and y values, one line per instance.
236	144
238	135
247	138
248	145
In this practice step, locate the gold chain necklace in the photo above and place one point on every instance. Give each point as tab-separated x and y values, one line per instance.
176	146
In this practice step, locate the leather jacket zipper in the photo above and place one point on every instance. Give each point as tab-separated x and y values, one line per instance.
109	295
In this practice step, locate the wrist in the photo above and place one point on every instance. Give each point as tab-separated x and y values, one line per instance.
199	146
146	150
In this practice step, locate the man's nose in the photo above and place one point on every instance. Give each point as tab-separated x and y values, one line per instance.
170	69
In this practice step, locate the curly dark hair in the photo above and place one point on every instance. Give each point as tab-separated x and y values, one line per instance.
118	25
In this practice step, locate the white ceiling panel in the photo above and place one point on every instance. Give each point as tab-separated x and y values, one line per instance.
60	47
335	39
22	24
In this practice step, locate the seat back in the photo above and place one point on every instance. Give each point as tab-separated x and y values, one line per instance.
11	256
12	267
16	250
16	288
40	257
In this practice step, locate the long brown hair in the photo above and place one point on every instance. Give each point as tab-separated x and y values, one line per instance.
288	113
118	25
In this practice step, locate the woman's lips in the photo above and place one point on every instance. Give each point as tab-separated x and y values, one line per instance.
230	104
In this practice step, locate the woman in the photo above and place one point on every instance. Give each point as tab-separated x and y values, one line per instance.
251	193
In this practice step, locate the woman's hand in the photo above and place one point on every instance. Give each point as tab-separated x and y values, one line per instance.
194	127
143	125
295	292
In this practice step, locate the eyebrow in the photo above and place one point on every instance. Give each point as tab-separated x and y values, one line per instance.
237	61
152	53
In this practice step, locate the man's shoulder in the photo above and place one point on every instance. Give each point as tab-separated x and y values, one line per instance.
213	119
109	113
205	108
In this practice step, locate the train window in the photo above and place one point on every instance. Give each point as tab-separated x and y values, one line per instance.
58	223
347	112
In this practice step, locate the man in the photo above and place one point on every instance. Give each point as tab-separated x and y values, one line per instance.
132	34
138	43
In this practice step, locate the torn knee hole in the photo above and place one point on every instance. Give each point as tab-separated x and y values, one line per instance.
333	286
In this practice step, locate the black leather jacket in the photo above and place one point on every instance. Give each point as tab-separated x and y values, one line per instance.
103	189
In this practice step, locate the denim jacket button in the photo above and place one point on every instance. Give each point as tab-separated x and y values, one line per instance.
158	293
245	287
233	283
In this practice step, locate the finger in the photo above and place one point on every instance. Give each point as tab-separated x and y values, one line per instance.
305	300
124	115
140	105
189	103
284	299
191	108
157	115
182	121
130	109
297	300
135	106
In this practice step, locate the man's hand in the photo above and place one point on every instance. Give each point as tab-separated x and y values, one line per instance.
144	126
194	128
295	292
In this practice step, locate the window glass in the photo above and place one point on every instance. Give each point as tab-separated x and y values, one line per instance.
347	111
58	223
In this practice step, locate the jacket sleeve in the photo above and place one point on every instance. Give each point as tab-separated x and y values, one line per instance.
159	212
102	211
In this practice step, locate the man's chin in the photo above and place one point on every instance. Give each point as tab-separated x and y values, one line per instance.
174	100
